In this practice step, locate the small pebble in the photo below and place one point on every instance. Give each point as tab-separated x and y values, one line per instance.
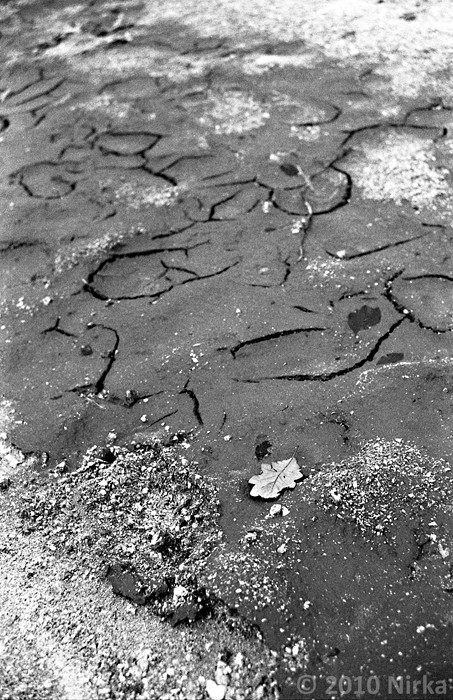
215	691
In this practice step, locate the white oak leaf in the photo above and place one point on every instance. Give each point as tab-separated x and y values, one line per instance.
275	477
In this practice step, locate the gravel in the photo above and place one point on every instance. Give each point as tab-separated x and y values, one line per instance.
401	168
142	516
67	635
384	484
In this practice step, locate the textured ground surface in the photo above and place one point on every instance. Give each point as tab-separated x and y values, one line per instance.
231	223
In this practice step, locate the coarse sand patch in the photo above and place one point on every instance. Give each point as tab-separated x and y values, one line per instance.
137	196
410	40
133	61
258	63
233	112
70	255
407	42
66	635
384	483
107	104
144	510
401	167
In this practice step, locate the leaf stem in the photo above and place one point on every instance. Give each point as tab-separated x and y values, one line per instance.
286	466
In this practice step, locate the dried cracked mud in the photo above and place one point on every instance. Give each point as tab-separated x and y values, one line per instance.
226	236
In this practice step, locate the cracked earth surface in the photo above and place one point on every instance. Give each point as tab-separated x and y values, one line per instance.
231	225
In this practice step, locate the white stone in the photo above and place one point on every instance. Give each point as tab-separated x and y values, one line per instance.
215	691
443	551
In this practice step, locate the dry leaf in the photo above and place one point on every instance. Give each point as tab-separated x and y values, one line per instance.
275	477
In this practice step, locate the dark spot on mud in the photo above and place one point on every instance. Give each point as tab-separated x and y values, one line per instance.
86	350
364	318
390	358
263	449
289	169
